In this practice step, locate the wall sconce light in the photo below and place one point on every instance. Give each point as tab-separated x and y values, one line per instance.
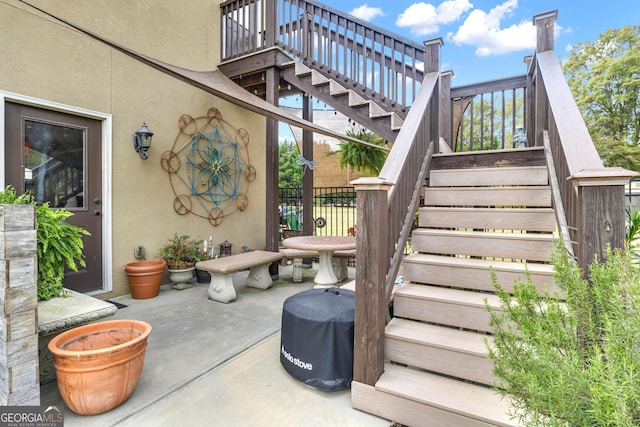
142	141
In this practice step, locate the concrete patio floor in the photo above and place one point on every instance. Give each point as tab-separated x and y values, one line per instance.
214	364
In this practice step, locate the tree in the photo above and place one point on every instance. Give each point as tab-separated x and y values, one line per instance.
290	172
359	156
604	77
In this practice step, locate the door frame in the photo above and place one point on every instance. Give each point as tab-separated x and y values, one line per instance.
107	141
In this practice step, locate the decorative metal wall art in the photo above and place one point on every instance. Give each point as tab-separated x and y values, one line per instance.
209	168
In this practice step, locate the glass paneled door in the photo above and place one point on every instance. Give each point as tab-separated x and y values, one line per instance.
57	158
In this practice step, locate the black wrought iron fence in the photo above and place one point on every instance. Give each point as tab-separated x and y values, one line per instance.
334	211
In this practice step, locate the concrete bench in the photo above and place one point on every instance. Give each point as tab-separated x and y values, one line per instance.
339	260
60	314
221	269
296	256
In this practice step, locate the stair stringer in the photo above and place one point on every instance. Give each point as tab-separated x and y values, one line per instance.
358	107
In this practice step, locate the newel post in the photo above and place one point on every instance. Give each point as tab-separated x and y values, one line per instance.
19	374
372	264
600	212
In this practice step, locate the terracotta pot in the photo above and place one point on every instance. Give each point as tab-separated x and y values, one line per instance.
98	365
145	278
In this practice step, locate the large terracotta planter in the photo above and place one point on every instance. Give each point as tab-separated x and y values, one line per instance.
98	365
145	278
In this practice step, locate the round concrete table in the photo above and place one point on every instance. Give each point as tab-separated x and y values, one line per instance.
325	245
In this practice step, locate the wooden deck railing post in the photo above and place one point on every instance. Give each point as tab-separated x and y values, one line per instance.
544	23
446	110
600	212
372	263
270	22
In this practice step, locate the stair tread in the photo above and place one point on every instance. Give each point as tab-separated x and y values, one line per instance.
437	336
539	237
493	176
496	210
449	295
478	402
516	267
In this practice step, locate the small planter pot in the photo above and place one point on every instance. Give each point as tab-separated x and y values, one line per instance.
98	365
181	277
203	276
145	278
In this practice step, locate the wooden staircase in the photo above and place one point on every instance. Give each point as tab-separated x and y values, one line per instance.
370	112
437	371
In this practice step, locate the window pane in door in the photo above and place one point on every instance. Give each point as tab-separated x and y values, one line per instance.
54	164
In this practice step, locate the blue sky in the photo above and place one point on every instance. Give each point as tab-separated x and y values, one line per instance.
487	39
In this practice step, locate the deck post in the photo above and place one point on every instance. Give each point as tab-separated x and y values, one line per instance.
307	176
372	264
19	374
545	23
272	219
600	213
446	111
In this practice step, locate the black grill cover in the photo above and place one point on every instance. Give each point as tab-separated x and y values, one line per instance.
316	345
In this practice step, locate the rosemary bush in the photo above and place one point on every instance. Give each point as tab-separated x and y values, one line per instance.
572	362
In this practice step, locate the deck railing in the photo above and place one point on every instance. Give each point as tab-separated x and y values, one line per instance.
487	116
363	56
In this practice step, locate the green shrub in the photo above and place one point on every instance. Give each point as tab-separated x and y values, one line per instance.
573	362
59	244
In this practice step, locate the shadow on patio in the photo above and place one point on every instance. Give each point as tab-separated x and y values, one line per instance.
210	363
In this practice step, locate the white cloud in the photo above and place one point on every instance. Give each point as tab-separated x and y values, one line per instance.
483	30
367	12
424	18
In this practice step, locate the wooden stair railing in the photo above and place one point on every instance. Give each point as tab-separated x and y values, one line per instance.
592	195
385	205
375	62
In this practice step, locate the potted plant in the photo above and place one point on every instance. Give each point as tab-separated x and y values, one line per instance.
59	243
203	276
572	361
180	254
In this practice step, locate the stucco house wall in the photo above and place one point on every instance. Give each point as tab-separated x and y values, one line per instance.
45	62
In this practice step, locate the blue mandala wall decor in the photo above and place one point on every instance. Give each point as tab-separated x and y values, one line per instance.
209	168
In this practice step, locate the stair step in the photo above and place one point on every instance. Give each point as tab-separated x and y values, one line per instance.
336	89
301	69
445	306
526	246
537	219
356	100
474	177
531	196
472	273
318	79
418	398
448	351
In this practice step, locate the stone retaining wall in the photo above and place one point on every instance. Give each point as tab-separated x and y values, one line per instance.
19	378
